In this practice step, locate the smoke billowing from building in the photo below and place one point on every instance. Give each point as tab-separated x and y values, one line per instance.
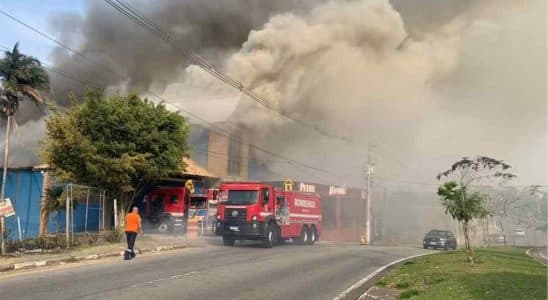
417	83
425	82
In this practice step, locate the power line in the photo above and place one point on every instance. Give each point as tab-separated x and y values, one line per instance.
280	158
138	17
145	23
162	99
220	130
46	36
53	69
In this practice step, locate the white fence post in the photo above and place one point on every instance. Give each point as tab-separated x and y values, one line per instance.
67	220
115	214
87	209
19	228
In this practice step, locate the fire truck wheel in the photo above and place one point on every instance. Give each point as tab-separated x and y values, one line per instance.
313	236
303	239
228	240
164	226
270	236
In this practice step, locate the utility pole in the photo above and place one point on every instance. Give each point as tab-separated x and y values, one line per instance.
369	169
4	178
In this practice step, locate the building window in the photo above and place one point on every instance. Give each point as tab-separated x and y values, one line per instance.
234	157
199	140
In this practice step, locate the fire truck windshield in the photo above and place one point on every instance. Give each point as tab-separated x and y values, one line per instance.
242	197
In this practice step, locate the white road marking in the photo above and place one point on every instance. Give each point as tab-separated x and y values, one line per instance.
375	273
162	279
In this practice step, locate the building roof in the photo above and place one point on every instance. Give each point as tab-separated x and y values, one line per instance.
192	168
42	167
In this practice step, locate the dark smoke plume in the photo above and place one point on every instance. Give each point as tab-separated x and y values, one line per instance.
121	54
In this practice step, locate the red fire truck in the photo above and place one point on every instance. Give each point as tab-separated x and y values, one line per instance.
260	211
165	207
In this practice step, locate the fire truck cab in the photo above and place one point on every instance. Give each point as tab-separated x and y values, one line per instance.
165	208
168	207
260	211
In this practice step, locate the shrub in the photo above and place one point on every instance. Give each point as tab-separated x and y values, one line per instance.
48	242
56	241
113	236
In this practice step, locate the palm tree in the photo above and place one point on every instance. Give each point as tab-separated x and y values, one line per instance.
21	78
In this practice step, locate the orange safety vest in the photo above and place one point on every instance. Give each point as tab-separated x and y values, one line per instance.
133	222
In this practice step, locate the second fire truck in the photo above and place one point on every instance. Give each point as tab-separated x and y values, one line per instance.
261	211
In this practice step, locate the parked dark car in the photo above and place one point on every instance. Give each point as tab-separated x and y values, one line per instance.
440	239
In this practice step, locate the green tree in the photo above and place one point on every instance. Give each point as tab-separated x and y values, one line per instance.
462	204
22	77
119	143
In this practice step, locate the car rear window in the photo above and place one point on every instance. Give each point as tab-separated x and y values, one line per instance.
437	233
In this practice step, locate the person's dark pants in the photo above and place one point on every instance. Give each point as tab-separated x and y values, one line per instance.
131	237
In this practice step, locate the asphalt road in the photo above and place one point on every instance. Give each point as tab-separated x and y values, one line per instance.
212	272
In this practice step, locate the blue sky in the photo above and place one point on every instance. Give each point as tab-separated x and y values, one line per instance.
37	14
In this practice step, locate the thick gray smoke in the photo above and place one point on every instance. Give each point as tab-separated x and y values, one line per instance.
423	93
417	83
121	53
422	82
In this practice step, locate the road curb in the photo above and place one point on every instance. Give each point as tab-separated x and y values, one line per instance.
74	259
541	260
360	287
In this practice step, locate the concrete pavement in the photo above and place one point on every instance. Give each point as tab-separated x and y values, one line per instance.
212	272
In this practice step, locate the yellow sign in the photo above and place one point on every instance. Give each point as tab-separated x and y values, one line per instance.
288	185
189	185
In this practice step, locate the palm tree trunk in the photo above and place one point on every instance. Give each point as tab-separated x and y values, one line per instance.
4	176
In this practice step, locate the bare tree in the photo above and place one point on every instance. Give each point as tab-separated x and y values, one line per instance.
502	203
467	171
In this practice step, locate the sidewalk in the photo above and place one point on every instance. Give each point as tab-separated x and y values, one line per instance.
146	243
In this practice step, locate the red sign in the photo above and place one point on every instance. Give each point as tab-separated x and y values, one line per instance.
6	209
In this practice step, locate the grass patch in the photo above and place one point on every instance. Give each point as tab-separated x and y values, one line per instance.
382	283
402	285
499	273
409	293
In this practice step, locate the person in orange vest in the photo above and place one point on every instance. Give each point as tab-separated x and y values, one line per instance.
133	226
